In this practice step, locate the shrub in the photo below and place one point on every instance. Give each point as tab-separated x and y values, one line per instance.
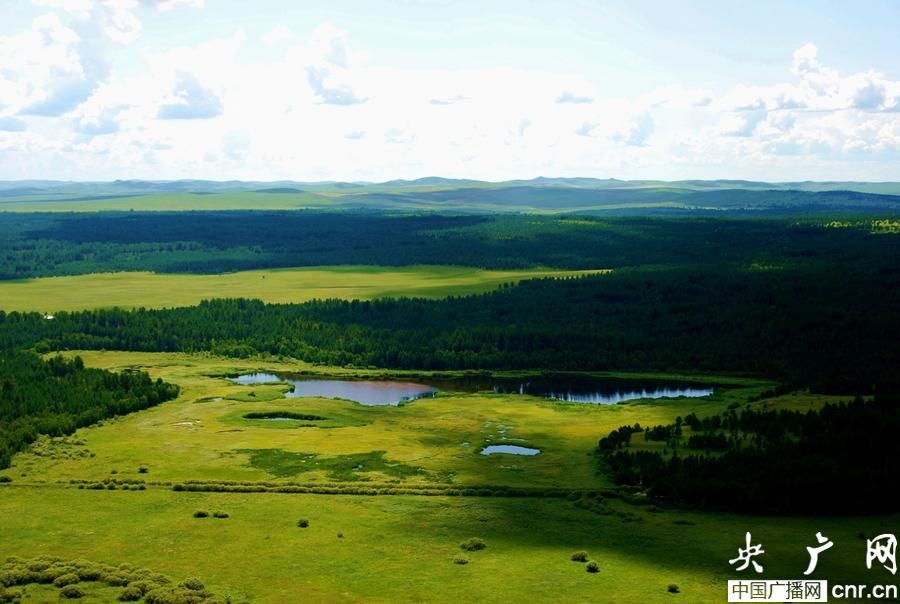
303	523
116	579
460	559
673	589
580	556
201	514
473	544
220	515
66	579
193	584
5	479
8	596
143	470
114	472
340	535
592	567
89	572
142	586
131	594
71	592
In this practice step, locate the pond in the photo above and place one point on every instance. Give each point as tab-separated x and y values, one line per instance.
364	392
569	388
509	450
585	389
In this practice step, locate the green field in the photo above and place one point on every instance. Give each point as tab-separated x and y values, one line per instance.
151	290
394	547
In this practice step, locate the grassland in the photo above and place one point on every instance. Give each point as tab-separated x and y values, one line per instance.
152	290
393	547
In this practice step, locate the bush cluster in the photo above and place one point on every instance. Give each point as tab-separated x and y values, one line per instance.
71	577
592	566
473	544
71	592
439	490
580	556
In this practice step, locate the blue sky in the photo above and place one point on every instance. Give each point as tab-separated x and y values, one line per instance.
376	90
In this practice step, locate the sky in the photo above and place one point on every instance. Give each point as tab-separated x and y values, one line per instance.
378	89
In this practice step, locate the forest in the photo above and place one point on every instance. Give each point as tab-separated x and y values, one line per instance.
837	460
57	396
46	244
781	324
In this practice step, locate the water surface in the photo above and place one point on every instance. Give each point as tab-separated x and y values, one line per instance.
509	449
364	392
562	387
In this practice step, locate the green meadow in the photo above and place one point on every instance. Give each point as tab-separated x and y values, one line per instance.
78	497
156	290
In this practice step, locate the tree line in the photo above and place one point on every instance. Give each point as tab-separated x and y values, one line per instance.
34	245
57	396
801	326
838	460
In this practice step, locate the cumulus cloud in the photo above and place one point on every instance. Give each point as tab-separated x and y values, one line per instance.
165	5
743	122
320	110
330	67
637	131
571	97
276	35
448	100
102	122
585	129
189	99
398	136
57	64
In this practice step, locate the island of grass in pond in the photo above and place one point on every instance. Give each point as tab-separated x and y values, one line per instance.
568	388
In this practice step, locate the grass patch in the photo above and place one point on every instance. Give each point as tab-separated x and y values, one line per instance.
284	415
339	467
155	290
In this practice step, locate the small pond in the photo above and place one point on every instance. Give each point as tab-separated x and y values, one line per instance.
569	388
509	450
364	392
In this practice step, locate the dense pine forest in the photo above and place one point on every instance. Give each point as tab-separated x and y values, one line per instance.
35	245
57	396
834	330
834	461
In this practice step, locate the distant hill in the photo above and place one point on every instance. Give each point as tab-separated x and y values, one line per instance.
542	194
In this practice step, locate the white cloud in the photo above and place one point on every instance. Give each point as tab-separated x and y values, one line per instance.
637	130
571	97
277	35
165	5
322	109
331	67
189	99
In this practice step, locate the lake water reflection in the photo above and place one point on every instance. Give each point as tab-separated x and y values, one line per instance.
569	388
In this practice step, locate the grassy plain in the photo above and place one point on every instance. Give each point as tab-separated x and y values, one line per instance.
393	547
153	290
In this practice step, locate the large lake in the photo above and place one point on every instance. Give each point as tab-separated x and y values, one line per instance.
569	388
